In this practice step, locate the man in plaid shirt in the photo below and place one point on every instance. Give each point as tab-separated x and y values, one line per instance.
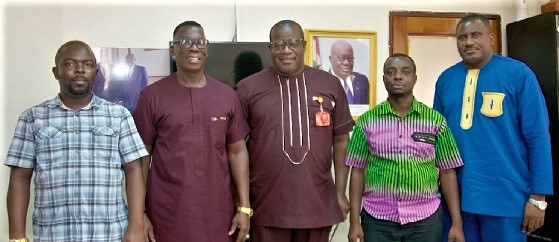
80	147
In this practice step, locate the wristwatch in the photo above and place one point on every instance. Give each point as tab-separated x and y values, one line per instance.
246	210
541	205
19	240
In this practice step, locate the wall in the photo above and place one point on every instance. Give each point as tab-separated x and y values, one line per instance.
32	31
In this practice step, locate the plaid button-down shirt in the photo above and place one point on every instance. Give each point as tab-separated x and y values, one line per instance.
77	158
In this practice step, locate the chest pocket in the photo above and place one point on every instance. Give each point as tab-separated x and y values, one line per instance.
314	107
492	105
424	145
218	130
106	139
49	144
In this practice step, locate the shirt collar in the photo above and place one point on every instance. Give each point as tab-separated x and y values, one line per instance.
95	102
385	108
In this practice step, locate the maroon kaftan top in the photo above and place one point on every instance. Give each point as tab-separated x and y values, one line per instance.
189	184
291	184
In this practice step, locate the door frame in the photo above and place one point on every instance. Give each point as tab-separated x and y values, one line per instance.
417	23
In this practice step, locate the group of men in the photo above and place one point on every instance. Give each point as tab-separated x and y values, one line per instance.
185	147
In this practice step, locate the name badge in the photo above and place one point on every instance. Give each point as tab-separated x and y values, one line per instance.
322	119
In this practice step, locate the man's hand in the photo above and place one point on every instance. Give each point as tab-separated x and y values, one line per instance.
241	221
148	230
133	234
344	204
533	218
456	234
356	233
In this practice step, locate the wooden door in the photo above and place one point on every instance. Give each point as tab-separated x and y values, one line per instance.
406	24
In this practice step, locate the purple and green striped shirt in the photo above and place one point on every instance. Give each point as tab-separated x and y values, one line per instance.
402	157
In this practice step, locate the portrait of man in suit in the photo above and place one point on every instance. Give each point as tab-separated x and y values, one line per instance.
137	80
342	60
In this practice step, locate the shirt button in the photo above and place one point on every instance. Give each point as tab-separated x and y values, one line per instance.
78	173
77	194
400	136
77	132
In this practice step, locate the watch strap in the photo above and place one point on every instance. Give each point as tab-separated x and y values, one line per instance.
246	210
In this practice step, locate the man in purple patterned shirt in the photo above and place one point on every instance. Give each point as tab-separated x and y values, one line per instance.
406	149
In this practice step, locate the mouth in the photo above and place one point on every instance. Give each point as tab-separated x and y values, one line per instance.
79	80
193	59
287	60
398	86
470	51
345	69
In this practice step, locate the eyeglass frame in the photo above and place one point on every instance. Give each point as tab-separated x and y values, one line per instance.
194	42
341	58
286	43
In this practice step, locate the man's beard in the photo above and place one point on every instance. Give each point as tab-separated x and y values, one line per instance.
80	93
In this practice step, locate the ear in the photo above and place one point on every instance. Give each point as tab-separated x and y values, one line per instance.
492	38
55	72
172	50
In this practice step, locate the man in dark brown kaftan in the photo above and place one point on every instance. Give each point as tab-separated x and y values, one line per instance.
299	120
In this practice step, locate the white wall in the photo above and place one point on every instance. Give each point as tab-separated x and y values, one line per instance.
32	31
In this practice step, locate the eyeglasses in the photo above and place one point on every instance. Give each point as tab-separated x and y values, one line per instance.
293	44
186	43
342	58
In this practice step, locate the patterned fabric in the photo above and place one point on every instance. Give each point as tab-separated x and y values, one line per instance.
402	157
77	158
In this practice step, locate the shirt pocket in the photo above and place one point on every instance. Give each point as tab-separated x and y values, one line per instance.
424	145
492	105
314	108
218	130
51	160
106	140
50	147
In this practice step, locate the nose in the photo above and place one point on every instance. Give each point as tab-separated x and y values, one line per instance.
285	48
80	68
469	40
193	48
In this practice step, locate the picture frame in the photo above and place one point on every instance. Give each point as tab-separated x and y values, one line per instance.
122	73
357	67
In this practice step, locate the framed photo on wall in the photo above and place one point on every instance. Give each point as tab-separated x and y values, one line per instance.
352	57
122	73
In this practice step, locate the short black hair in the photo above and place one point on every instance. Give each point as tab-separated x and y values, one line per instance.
400	55
287	23
474	17
186	23
71	42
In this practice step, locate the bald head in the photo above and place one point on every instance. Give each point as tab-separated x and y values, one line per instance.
287	24
340	46
67	45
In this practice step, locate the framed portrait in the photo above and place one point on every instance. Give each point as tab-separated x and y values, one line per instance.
352	57
122	73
